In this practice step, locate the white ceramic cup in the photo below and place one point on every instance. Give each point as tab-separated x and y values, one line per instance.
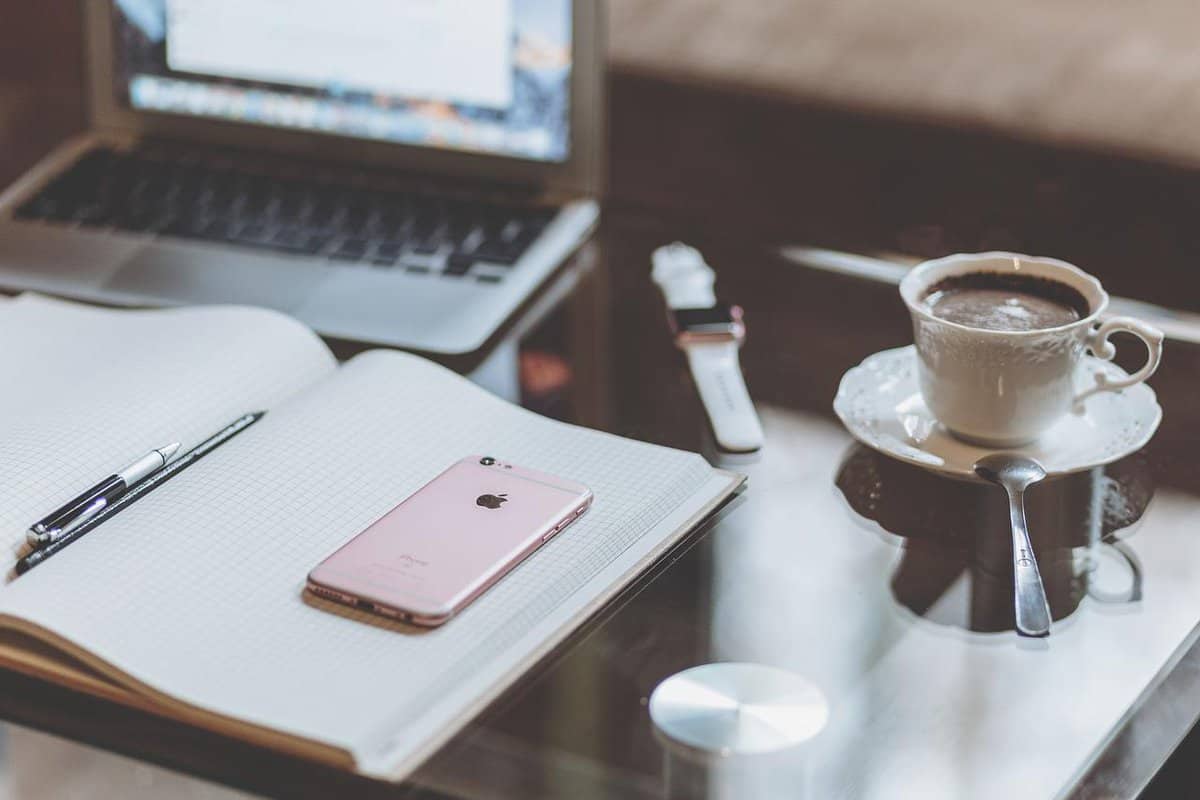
1005	388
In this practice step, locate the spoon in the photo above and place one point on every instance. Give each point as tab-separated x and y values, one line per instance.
1015	474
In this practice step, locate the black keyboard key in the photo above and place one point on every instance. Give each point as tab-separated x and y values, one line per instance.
299	240
94	162
293	202
92	215
510	231
387	253
378	212
355	218
497	252
221	230
187	181
326	208
45	207
218	194
187	228
507	244
458	264
251	203
350	250
428	245
255	234
142	220
470	241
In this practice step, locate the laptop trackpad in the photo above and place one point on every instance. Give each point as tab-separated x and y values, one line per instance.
194	275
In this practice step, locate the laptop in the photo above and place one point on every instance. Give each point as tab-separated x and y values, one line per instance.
397	172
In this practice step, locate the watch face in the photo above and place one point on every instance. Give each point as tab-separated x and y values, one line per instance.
703	321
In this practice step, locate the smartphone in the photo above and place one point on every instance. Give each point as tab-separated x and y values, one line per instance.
430	556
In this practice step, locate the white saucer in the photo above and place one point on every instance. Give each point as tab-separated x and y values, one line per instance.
880	404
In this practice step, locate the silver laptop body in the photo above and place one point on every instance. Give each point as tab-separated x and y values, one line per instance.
294	161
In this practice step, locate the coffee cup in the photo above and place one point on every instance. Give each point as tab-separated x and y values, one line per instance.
1002	386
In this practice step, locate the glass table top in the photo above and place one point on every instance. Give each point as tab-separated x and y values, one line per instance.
886	586
34	765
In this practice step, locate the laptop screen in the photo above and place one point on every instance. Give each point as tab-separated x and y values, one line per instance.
489	76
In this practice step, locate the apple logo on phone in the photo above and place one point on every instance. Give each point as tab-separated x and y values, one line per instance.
491	500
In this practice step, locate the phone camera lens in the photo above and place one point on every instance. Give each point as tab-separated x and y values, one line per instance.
487	461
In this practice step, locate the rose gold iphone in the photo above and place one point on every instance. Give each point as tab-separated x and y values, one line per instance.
430	556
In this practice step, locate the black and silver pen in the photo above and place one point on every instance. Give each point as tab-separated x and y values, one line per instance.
102	494
141	490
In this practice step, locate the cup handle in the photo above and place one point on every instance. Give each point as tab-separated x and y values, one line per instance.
1101	347
1134	593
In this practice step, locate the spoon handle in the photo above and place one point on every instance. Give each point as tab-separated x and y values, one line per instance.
1032	610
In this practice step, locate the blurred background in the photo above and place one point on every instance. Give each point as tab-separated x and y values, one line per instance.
909	126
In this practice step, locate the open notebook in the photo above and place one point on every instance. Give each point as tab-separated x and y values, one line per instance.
192	600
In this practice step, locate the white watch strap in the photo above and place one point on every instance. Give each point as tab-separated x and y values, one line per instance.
718	377
687	282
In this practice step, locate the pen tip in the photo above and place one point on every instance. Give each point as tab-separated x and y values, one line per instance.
169	451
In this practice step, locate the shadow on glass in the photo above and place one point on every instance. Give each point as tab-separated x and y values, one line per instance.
956	564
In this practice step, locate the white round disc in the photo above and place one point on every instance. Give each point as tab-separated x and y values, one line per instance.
733	708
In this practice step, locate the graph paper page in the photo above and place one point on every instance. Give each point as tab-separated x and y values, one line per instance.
89	390
197	591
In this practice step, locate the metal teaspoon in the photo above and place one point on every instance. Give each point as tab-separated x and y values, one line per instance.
1015	474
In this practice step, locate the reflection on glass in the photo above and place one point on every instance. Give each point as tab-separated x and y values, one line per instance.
956	568
38	765
726	726
697	776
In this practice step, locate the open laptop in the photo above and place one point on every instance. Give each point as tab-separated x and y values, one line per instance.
400	172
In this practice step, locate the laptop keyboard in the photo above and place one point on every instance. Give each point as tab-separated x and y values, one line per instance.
180	195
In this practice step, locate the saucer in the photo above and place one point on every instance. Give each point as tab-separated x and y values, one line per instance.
880	403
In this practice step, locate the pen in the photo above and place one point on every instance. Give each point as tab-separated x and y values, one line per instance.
95	508
145	487
108	490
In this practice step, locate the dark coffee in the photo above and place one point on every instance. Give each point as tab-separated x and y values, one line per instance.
998	301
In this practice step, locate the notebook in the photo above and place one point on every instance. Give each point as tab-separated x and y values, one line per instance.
191	602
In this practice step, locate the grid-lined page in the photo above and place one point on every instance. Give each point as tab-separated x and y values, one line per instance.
88	390
198	590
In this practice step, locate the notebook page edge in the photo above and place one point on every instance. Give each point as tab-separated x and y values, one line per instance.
51	304
107	681
707	499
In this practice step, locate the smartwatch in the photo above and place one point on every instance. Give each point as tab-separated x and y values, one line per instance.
709	333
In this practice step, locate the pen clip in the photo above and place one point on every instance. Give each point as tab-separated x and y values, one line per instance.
85	515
